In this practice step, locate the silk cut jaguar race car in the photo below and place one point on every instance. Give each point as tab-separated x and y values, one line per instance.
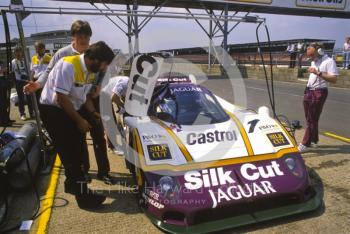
202	164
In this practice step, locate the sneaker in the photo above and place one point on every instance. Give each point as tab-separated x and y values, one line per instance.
23	117
89	200
302	148
107	179
314	145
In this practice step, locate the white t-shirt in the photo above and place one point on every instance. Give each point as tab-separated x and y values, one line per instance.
61	80
19	68
324	64
121	86
346	47
117	85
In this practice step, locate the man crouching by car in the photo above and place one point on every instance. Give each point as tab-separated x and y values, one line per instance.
64	94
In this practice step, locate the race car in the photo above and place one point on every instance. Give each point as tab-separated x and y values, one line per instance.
203	164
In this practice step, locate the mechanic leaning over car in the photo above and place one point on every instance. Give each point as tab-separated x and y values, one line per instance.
62	99
118	97
323	71
81	33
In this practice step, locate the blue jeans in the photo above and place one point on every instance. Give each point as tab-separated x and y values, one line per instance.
346	58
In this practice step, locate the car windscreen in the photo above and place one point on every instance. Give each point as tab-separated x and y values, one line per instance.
192	105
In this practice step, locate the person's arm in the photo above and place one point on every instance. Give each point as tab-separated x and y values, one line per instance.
327	76
117	100
90	107
67	106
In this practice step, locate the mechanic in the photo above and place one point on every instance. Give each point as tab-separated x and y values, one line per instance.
40	60
39	63
118	97
22	78
81	33
323	71
62	98
119	93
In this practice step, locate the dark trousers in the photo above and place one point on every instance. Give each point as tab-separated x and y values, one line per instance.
4	101
293	57
98	140
313	105
69	143
21	96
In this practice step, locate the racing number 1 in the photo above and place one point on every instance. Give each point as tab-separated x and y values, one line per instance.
252	125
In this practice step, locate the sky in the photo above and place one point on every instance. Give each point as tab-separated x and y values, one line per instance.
162	33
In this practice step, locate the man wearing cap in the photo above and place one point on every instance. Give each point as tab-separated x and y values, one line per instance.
323	71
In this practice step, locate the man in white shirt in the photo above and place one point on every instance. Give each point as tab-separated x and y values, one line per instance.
63	96
22	78
40	61
323	71
119	93
346	53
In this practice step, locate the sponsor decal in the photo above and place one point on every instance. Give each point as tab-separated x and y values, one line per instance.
268	127
174	79
186	89
277	139
210	137
223	187
158	152
152	137
152	202
328	4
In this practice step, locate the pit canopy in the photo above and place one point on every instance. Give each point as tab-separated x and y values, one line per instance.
319	8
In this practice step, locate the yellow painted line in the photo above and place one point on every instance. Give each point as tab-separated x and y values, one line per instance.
347	140
46	206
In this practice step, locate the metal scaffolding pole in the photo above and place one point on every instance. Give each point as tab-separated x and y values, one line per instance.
210	40
131	51
225	34
33	96
136	28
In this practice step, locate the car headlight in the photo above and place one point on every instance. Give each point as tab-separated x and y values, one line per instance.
295	166
290	162
166	184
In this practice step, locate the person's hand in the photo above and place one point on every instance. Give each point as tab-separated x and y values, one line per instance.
96	91
83	125
312	70
31	87
96	115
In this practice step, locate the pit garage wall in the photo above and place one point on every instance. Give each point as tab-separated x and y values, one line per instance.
291	75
